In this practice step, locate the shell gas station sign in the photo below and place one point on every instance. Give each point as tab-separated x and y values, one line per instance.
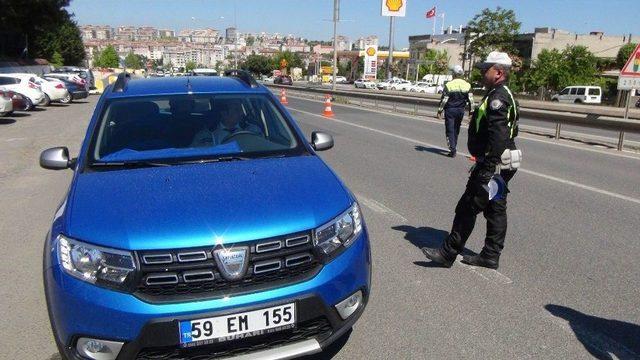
394	7
371	62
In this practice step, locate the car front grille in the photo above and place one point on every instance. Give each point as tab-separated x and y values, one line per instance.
319	329
190	274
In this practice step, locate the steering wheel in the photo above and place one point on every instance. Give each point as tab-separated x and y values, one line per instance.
237	133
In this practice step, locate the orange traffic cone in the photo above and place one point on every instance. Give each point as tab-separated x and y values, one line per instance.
283	97
327	107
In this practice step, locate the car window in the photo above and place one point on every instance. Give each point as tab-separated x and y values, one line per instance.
191	127
573	91
564	91
581	91
594	91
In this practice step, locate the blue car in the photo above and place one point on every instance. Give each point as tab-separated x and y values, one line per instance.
200	224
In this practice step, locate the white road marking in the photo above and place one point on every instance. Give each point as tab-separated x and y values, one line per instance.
490	275
15	139
628	155
379	207
535	173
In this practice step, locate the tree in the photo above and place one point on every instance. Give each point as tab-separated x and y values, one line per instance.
107	58
47	26
435	62
250	40
624	53
492	30
133	61
257	64
554	69
292	59
56	59
190	65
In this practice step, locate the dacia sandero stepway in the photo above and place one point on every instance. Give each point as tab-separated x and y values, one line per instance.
200	224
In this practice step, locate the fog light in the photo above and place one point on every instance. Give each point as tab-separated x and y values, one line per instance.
98	349
349	305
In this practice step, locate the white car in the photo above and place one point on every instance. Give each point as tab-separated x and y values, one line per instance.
6	105
339	80
364	84
24	85
579	95
54	90
386	85
74	78
426	88
402	85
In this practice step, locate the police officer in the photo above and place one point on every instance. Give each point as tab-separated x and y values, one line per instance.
492	131
456	96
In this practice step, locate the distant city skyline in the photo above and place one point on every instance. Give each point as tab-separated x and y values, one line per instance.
360	18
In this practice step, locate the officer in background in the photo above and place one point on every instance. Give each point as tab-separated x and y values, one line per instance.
456	96
492	131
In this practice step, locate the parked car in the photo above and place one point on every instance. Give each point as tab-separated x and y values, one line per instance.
579	95
83	73
170	242
6	105
75	78
20	102
402	85
24	85
74	91
54	90
426	88
638	103
386	85
283	80
364	84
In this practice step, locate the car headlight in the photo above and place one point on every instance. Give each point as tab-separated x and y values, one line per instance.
341	231
94	264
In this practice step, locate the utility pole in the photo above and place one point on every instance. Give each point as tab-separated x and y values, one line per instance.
390	57
336	18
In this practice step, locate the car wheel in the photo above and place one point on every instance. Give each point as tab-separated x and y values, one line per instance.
47	100
578	101
555	100
29	105
66	99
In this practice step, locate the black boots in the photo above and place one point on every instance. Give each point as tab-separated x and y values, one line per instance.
480	260
435	255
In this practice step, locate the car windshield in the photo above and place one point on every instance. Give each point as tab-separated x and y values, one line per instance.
191	127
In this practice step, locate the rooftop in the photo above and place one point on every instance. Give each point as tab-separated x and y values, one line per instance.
179	85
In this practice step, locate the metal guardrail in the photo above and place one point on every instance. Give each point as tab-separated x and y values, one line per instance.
585	118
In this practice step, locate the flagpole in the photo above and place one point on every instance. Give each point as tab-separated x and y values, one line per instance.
434	26
442	25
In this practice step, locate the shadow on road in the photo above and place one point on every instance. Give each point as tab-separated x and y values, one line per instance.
4	121
19	114
55	356
332	350
602	338
58	105
432	150
426	236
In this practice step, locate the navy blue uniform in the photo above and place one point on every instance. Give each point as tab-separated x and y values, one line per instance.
456	96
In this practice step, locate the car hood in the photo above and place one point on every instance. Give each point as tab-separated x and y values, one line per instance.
203	204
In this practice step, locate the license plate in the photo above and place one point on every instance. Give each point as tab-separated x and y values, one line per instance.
237	326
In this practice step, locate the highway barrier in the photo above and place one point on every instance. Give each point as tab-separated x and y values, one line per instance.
559	114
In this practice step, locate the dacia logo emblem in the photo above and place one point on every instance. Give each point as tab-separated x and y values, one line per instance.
232	262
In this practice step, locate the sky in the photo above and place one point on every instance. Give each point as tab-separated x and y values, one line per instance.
311	19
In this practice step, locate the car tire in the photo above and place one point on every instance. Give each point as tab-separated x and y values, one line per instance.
577	101
555	100
29	105
47	100
67	99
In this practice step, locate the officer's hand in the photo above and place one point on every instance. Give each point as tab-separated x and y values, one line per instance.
439	115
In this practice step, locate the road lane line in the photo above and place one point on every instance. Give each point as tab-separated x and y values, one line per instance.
531	172
379	207
465	126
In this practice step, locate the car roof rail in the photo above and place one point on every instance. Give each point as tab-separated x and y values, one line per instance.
121	82
243	76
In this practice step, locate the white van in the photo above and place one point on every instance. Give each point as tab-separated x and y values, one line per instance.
579	95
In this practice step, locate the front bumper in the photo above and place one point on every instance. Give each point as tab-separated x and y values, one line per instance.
82	94
78	309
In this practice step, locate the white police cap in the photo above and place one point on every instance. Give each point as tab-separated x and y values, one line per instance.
495	57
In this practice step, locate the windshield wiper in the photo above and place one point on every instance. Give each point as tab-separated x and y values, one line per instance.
137	163
216	159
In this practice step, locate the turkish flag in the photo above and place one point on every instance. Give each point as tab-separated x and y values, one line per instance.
431	13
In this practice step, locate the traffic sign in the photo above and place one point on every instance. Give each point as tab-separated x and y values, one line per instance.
630	73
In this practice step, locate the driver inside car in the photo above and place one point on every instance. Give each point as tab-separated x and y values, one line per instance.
231	121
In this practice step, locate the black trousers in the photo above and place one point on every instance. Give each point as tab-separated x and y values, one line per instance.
475	200
452	121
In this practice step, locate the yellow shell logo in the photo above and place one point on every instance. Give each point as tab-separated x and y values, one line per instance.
394	5
371	51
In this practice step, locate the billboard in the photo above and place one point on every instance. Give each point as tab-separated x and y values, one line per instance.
371	62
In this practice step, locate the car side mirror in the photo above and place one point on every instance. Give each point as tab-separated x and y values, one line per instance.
56	159
321	141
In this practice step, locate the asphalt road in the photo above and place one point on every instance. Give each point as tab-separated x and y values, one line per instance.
568	282
577	133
